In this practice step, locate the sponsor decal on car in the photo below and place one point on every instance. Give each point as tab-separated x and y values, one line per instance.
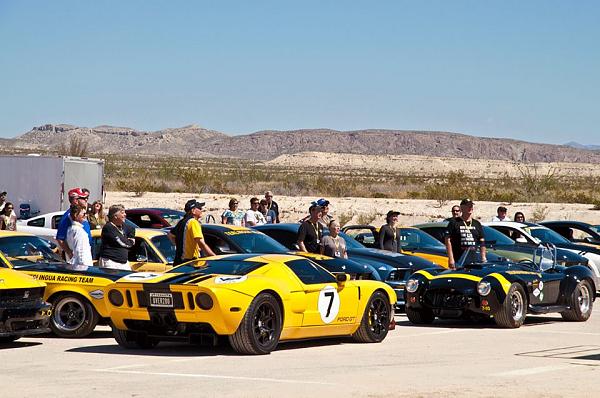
223	280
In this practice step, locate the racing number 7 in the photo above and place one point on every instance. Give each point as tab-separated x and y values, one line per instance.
331	295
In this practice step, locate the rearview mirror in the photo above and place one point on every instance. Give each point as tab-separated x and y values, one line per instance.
342	278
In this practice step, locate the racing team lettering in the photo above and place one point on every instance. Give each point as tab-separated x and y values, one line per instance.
241	232
63	278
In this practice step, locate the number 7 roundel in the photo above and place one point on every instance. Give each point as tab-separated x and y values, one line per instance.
329	303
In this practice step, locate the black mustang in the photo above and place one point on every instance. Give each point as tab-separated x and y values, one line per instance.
503	289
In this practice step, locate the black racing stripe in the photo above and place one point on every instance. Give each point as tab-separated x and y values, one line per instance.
158	315
185	278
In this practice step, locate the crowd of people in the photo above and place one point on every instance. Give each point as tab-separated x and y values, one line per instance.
117	238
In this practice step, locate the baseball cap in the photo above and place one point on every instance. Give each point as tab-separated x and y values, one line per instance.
314	205
193	204
322	202
76	193
466	201
392	213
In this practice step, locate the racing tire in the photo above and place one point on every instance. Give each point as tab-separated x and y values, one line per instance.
375	322
580	302
421	316
8	339
513	310
132	340
259	331
72	316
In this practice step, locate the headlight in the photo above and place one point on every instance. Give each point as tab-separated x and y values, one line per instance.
484	288
412	285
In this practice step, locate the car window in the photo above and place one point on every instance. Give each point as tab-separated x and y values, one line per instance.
172	217
546	235
251	241
165	247
580	235
37	222
350	243
55	221
289	239
142	252
309	273
437	232
26	246
491	235
362	235
416	238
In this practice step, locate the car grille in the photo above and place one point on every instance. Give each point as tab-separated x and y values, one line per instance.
21	298
446	299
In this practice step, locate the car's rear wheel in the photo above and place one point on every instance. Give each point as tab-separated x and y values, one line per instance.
580	303
130	340
260	328
375	322
513	310
422	316
72	316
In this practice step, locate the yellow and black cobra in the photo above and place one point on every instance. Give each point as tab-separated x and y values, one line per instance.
23	310
502	289
255	300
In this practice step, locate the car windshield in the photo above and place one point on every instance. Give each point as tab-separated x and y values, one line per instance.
533	257
224	267
173	216
595	228
165	247
415	238
546	235
251	241
27	249
351	243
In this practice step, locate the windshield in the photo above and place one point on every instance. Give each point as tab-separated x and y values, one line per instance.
165	247
415	238
546	235
533	257
351	243
225	267
172	217
27	249
493	235
251	241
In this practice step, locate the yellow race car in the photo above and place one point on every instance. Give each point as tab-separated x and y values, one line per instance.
77	295
254	299
153	250
23	310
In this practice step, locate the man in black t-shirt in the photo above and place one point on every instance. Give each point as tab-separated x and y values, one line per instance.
310	232
463	232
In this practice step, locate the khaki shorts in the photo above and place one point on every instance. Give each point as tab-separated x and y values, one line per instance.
106	263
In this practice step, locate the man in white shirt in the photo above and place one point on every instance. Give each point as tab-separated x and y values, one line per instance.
501	215
78	240
254	216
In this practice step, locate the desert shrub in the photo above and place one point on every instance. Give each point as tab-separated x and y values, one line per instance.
76	146
366	218
539	213
344	218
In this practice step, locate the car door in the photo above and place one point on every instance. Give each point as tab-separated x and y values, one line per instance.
327	303
142	257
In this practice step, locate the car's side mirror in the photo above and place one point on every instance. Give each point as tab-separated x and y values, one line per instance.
342	278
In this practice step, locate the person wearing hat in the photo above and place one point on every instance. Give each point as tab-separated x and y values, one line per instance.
187	234
501	215
310	232
463	232
76	196
389	238
116	240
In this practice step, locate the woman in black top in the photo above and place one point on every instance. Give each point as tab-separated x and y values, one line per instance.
389	237
117	239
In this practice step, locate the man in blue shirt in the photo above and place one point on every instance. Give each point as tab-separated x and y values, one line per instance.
76	196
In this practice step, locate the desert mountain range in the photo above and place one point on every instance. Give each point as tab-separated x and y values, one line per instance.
265	145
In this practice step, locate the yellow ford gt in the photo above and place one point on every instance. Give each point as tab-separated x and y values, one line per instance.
254	299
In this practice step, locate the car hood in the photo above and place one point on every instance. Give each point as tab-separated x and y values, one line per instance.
11	279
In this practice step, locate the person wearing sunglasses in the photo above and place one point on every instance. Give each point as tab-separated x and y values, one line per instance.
233	215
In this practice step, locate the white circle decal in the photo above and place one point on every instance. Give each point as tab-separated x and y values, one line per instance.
329	303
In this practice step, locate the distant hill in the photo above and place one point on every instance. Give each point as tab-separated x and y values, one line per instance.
265	145
581	146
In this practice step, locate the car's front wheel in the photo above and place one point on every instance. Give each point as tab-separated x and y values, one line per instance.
72	316
513	310
580	303
260	328
375	322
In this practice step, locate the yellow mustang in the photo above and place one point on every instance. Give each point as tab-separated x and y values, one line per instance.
77	295
254	299
22	308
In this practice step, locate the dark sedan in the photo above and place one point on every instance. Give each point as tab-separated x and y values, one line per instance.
576	231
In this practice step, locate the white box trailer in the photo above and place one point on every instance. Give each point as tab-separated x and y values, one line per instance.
43	182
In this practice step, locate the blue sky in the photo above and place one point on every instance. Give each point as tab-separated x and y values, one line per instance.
527	70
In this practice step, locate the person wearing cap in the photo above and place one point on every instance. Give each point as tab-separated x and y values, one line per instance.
116	240
389	238
501	215
462	233
253	216
272	205
187	234
311	231
76	196
325	218
77	239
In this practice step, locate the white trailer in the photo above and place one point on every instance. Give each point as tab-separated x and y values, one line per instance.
43	182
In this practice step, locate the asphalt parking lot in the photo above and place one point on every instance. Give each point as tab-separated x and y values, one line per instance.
545	358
